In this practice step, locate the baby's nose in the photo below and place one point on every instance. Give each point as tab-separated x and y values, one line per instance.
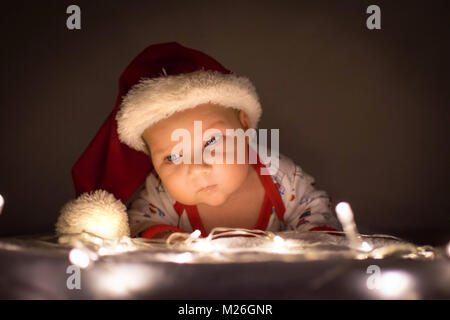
199	169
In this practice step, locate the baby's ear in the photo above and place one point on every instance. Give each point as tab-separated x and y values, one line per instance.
245	121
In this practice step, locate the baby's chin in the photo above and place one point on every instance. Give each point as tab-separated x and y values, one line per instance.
213	203
214	199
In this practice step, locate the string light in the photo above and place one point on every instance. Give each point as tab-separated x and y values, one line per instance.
346	218
394	284
366	247
279	241
2	202
225	245
79	258
203	246
193	236
183	258
196	234
279	244
378	256
243	245
121	280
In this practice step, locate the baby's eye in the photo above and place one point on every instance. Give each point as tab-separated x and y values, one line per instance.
212	140
172	157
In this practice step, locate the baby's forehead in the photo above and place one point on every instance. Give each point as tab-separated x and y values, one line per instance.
207	111
202	118
206	116
201	124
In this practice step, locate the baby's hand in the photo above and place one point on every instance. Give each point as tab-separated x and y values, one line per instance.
163	235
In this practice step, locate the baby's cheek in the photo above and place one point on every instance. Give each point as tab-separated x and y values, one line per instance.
176	187
232	175
237	151
182	194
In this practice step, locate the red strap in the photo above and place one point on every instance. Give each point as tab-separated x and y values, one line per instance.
179	208
271	198
271	189
158	228
194	220
264	214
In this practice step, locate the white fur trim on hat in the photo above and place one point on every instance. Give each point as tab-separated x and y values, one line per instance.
98	212
153	99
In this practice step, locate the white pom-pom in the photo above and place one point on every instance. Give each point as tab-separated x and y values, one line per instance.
98	212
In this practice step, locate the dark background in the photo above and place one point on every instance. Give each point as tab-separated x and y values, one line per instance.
364	112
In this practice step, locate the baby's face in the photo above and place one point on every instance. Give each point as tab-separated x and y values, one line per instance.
184	181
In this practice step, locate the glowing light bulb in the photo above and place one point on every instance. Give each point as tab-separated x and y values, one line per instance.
79	258
97	241
344	212
2	202
345	215
279	244
196	234
278	240
122	280
378	256
183	258
448	249
365	247
202	246
394	283
103	251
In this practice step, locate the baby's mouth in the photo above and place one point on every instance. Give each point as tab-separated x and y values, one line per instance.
208	188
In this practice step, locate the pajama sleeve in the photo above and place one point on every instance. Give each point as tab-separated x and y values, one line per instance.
152	212
312	208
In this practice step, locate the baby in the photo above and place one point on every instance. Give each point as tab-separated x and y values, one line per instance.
170	89
184	197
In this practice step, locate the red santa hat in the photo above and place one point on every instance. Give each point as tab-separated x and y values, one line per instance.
163	79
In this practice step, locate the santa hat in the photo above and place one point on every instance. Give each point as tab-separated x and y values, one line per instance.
163	79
